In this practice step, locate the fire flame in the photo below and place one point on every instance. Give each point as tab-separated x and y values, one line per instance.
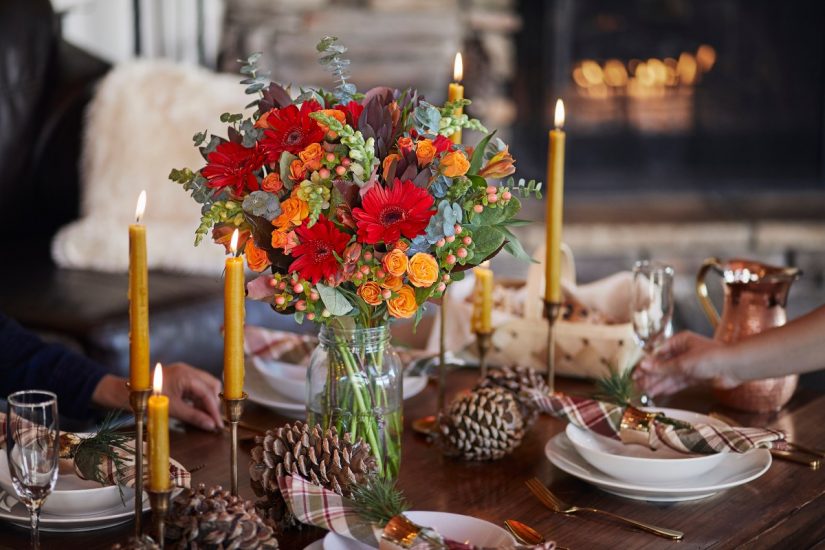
458	68
157	381
141	206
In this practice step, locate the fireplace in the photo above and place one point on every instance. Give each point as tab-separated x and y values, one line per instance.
723	98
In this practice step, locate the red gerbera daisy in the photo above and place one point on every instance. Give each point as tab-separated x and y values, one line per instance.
314	258
387	213
291	129
233	165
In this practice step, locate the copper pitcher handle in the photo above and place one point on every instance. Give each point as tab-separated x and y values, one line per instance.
702	290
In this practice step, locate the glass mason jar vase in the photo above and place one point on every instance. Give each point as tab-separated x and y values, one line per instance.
354	383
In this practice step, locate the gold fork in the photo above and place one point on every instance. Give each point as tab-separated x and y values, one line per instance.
557	505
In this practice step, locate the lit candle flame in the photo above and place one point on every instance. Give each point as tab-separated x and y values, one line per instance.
559	118
233	244
141	206
157	382
458	68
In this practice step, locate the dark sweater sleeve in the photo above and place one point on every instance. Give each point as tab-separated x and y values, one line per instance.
27	363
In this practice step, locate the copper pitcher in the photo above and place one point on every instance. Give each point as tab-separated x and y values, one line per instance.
755	298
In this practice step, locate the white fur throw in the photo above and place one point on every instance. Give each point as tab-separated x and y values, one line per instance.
139	126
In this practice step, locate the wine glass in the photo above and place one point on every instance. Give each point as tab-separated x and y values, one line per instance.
651	305
32	449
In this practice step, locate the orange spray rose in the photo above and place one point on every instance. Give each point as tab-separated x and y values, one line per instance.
425	152
403	305
422	270
256	258
370	292
454	164
395	262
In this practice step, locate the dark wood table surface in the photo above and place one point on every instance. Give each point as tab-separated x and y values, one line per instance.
785	508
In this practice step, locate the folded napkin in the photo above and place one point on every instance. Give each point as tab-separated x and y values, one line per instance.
631	425
116	466
289	347
313	505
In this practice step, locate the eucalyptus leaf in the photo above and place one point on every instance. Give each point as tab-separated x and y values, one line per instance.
335	302
286	160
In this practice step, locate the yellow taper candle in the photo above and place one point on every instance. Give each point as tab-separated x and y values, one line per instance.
555	201
138	302
158	435
233	320
456	91
482	317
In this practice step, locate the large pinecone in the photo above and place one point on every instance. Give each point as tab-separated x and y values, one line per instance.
321	457
215	520
143	543
515	380
485	424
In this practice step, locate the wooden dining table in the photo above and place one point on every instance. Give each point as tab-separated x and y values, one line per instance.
784	508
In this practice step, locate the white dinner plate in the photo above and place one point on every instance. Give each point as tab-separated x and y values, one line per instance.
19	516
452	526
260	392
736	469
641	464
73	496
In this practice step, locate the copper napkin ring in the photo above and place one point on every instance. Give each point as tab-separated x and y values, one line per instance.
635	426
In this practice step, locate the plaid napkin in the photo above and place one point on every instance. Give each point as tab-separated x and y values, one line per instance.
631	425
289	347
110	472
314	505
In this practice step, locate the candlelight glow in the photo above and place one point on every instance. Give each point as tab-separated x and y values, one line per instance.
157	383
141	206
233	244
458	68
559	117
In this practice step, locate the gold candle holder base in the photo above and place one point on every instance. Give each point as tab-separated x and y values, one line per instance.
552	312
234	410
138	400
484	341
159	501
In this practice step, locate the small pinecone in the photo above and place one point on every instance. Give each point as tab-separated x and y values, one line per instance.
143	543
214	520
321	457
517	379
483	425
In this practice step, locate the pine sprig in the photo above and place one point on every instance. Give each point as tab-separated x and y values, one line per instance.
379	500
331	56
617	387
104	445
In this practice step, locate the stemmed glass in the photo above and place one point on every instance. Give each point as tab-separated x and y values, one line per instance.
651	304
32	449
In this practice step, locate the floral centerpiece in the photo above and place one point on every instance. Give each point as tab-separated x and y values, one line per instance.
362	209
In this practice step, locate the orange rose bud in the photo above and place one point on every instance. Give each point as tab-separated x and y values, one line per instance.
425	152
388	160
393	282
500	165
311	156
272	183
405	144
262	120
278	239
256	258
403	246
340	116
395	262
403	305
422	270
297	172
454	164
293	212
370	292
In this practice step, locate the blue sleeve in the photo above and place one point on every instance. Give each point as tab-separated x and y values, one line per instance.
27	363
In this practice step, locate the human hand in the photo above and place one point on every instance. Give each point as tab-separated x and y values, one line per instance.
684	360
193	396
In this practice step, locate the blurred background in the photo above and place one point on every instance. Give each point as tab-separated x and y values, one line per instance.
695	129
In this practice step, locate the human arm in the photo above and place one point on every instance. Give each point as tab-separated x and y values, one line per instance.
687	358
193	395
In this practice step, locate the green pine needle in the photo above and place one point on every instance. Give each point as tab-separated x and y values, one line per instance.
101	446
378	500
617	387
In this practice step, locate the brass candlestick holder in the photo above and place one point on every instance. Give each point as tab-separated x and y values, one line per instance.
484	340
234	410
428	425
159	500
552	311
138	400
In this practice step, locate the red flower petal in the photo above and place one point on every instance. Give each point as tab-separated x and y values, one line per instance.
387	213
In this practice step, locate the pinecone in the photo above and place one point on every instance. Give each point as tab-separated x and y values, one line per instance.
486	424
320	457
214	520
143	543
515	380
